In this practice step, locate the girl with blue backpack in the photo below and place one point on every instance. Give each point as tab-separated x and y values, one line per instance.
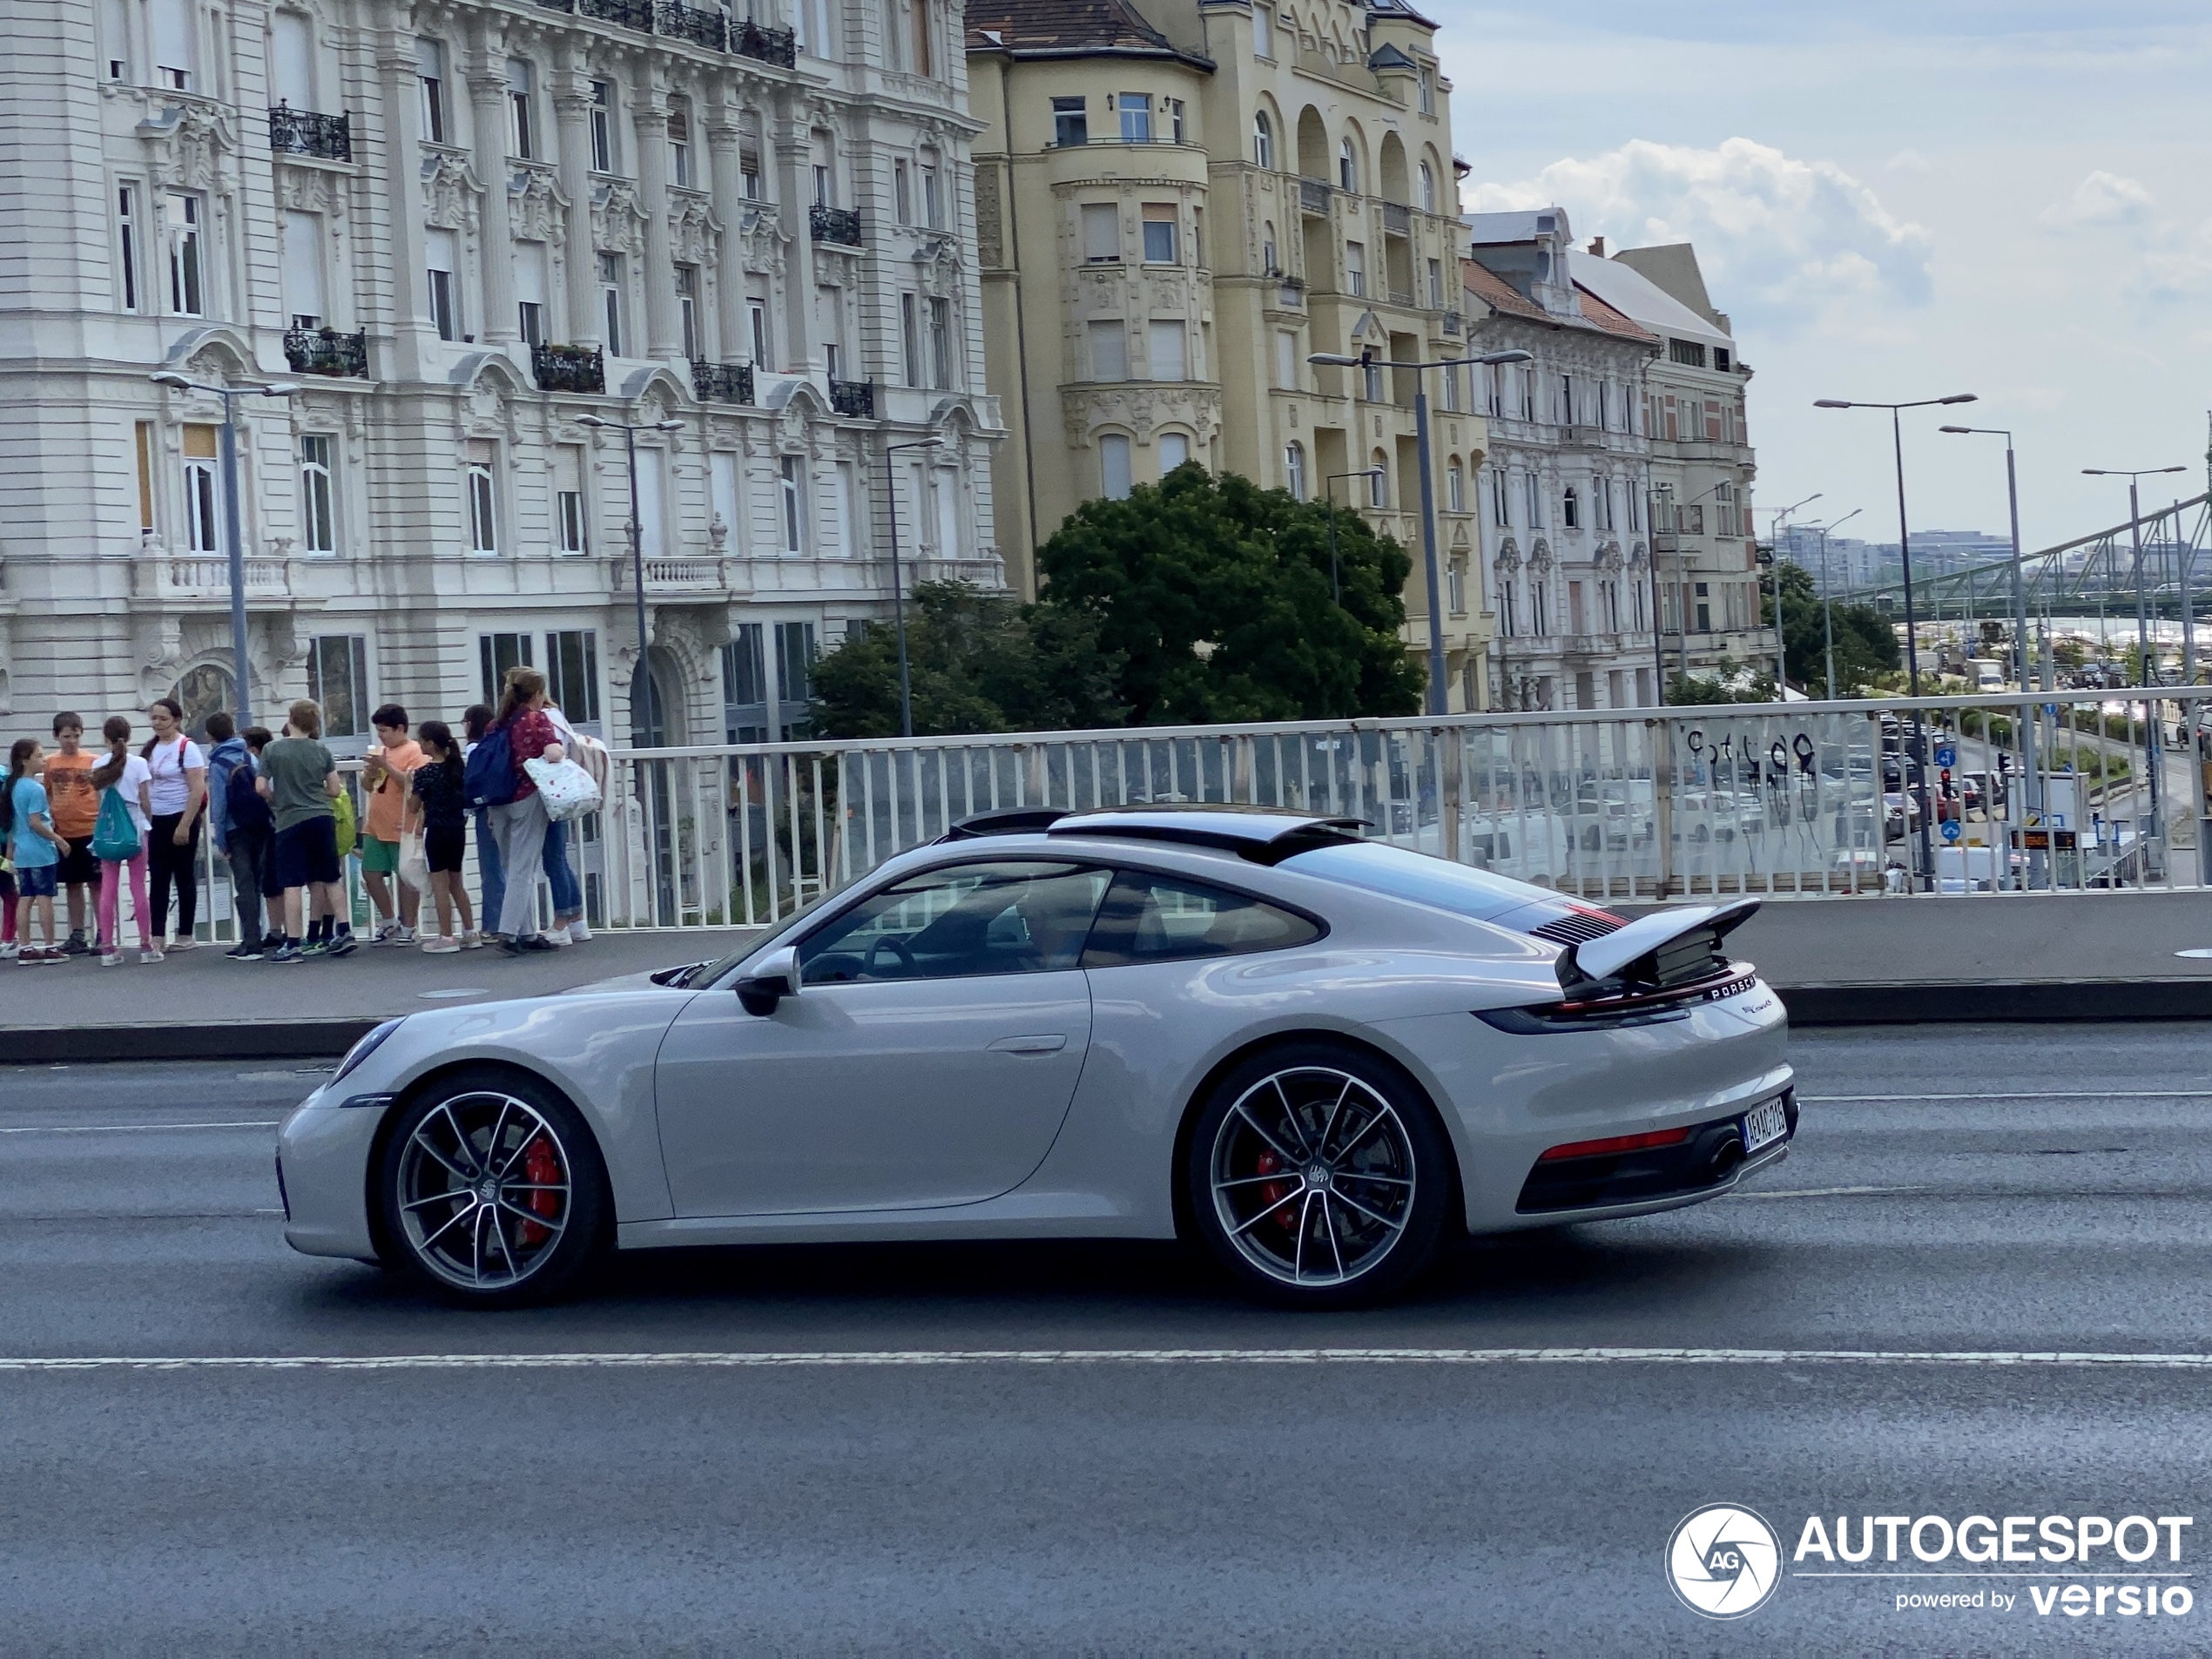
119	833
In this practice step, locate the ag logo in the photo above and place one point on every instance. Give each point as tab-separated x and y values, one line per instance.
1725	1561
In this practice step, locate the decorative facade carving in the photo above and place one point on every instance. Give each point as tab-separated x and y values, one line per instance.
308	190
188	146
693	237
617	220
535	208
449	192
1140	410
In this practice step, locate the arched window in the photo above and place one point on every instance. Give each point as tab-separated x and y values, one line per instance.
1263	142
1269	263
1294	469
1379	480
1175	450
1113	479
1428	188
1455	489
1347	168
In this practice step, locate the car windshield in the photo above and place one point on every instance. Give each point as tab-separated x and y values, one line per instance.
1432	881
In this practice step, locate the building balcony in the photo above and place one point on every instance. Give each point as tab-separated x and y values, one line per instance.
304	132
1397	220
205	578
837	224
568	368
721	382
777	46
1451	323
1313	196
631	14
680	22
855	399
325	351
671	577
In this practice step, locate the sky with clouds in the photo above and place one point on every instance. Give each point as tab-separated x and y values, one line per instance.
1893	200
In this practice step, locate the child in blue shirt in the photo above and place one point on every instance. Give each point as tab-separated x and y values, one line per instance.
36	850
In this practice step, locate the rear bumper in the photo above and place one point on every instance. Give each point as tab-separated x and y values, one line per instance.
1697	1167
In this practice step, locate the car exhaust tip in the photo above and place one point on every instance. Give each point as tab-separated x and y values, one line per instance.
1726	1156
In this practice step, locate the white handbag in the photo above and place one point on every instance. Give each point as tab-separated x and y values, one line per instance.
567	789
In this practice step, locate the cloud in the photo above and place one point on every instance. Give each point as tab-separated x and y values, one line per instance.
1780	240
1909	160
2102	200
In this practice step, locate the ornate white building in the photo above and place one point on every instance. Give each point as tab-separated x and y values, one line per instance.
458	228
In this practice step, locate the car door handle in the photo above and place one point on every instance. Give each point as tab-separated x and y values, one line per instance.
1042	1044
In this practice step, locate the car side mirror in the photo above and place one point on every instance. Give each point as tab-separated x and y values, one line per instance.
774	977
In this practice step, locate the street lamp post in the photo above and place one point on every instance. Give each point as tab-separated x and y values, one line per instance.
641	685
897	588
1918	750
1780	662
2143	623
1328	491
233	543
1439	698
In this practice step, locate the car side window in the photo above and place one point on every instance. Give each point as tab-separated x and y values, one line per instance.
965	921
1163	919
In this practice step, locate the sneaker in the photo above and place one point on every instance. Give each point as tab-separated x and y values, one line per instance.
286	952
111	959
149	955
314	948
183	941
10	951
272	943
76	947
385	929
250	951
56	955
556	937
406	936
441	945
343	944
472	941
578	933
527	945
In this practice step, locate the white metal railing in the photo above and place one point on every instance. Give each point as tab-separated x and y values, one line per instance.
2046	792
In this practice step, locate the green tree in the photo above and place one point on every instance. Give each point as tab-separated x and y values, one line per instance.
1217	594
1865	643
1730	683
977	662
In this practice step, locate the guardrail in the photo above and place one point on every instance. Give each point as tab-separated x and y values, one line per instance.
2046	792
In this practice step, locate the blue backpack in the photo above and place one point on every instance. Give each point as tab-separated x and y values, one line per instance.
242	802
488	780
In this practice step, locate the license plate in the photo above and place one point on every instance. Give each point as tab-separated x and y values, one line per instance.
1763	1126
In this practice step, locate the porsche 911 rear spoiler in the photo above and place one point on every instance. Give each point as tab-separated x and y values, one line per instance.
1658	952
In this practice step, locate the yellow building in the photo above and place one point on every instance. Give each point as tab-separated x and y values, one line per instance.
1176	208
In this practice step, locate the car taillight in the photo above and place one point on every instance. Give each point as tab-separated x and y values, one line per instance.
1616	1143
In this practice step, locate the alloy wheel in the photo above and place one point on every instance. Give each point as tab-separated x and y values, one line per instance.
484	1191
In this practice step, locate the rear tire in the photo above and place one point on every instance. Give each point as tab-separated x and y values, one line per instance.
1319	1176
492	1190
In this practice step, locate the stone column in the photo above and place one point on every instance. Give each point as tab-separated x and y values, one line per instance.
795	192
406	309
723	136
488	95
580	259
663	332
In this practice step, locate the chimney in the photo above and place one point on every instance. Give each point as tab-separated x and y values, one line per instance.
1597	248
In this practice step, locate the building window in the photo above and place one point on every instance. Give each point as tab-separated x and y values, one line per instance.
1720	358
1635	509
1175	119
795	653
910	338
1535	504
1263	142
687	308
603	126
495	654
611	300
933	206
1175	450
1601	503
1136	110
430	68
1168	358
1372	385
483	512
572	673
1500	500
1528	395
1456	587
1686	352
941	344
1436	285
145	435
1159	234
1455	489
1294	468
1287	359
1101	233
1109	350
1347	168
1451	382
1355	268
1570	510
338	679
1428	93
679	149
522	127
1428	188
318	519
1507	626
794	493
126	219
902	193
1263	34
444	313
173	53
757	315
568	510
1071	122
825	185
1724	509
1113	479
1378	481
203	497
187	289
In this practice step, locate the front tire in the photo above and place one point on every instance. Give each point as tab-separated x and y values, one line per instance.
492	1189
1319	1176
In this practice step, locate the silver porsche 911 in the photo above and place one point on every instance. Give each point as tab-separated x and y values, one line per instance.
1318	1055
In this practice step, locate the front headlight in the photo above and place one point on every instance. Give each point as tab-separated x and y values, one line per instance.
366	1047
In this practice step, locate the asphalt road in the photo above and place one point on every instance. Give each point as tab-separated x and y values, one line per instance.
1233	1503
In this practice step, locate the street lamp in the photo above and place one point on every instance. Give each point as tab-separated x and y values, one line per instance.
1780	662
1438	698
1328	491
1827	596
898	591
642	695
1918	753
233	546
2143	620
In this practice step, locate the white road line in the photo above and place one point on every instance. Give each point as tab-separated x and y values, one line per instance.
124	1129
972	1357
1826	1192
2020	1094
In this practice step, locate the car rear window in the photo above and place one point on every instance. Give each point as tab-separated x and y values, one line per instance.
1432	881
1149	918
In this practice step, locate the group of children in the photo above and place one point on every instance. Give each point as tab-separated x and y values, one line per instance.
72	822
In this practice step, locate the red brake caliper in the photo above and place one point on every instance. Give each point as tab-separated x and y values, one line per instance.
1276	1192
543	1169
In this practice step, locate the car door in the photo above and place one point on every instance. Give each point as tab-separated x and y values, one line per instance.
927	1058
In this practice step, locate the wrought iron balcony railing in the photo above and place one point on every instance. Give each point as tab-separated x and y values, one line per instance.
325	351
839	225
568	368
304	132
680	22
721	382
855	399
673	20
633	14
778	46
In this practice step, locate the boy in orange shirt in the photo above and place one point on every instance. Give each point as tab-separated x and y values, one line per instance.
75	805
385	771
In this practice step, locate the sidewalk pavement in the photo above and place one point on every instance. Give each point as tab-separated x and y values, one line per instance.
1864	961
198	1004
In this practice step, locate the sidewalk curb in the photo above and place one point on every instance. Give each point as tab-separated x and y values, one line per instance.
2035	1002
